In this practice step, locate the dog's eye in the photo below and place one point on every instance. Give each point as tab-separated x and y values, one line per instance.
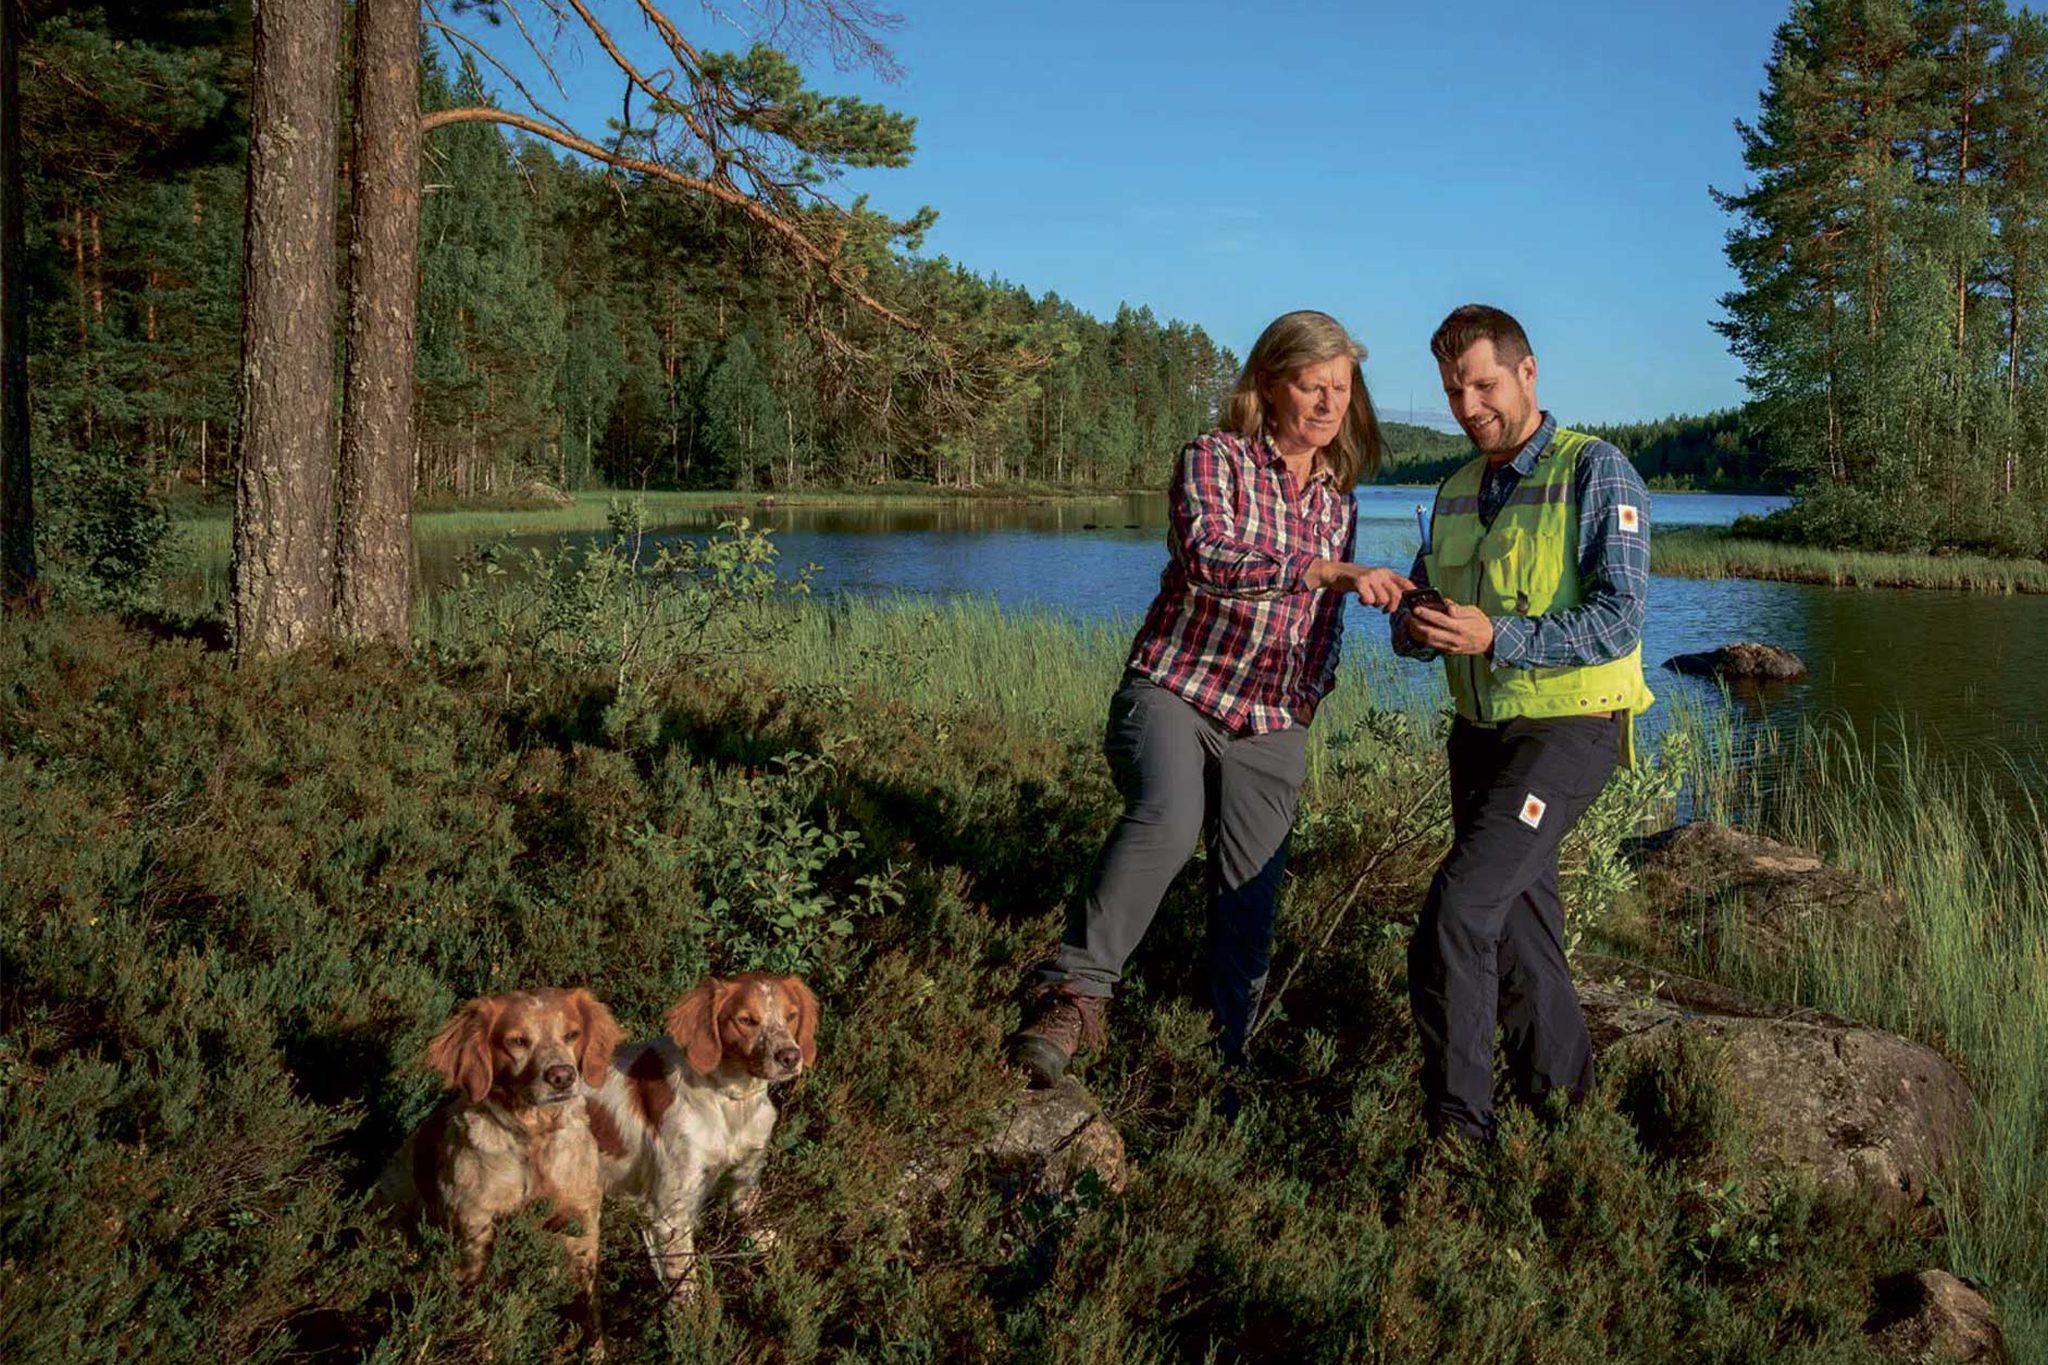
515	1041
750	1021
572	1035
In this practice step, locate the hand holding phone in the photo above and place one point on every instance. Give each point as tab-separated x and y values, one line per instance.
1423	597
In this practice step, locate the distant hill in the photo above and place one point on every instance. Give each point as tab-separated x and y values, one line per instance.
1718	452
1417	454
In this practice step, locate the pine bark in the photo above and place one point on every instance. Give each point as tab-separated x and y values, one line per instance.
284	463
17	518
374	566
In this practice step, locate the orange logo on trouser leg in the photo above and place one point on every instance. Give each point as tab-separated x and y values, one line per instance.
1532	810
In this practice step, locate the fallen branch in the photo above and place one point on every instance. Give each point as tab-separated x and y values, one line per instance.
1340	905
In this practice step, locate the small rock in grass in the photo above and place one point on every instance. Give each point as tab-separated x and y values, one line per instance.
1932	1318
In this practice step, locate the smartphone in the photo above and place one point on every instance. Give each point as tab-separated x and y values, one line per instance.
1423	597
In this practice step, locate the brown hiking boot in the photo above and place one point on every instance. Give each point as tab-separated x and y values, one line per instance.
1060	1023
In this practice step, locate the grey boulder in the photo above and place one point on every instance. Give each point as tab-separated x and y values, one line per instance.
1859	1108
1055	1137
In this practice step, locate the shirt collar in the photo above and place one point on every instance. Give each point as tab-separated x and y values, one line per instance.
1532	450
1269	454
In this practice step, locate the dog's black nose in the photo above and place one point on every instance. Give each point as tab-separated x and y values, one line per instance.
561	1076
788	1057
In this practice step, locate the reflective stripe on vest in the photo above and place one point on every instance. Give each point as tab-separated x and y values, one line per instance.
1526	564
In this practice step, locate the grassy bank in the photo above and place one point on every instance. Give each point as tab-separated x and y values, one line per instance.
208	533
233	906
1714	552
1968	855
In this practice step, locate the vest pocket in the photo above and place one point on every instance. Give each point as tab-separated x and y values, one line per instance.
1523	573
1506	554
1450	572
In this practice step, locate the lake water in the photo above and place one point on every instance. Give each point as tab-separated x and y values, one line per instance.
1966	672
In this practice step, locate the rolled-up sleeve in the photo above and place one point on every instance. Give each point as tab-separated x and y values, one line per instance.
1326	635
1202	507
1614	575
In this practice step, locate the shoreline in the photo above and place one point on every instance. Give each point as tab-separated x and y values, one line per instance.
1703	552
210	531
1714	552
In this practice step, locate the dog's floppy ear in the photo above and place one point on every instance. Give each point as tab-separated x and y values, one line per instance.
806	1017
601	1036
693	1023
461	1052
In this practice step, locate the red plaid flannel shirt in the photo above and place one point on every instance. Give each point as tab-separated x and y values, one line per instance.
1233	631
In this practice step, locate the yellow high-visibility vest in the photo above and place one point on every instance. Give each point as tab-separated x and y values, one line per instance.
1526	564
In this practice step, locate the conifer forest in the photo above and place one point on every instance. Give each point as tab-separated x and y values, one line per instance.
644	305
1892	252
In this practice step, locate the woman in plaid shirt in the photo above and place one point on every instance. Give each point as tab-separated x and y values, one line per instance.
1208	732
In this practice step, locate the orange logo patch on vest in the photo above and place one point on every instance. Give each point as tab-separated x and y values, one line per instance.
1629	518
1532	810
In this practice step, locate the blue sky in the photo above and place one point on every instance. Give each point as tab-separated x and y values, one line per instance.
1224	162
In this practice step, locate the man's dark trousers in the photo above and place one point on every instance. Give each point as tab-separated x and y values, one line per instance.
1489	948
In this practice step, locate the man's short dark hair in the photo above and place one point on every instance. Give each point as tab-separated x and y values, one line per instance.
1476	322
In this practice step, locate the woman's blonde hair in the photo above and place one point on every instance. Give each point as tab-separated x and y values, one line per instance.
1289	343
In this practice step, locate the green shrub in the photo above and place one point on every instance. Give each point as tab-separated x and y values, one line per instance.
103	540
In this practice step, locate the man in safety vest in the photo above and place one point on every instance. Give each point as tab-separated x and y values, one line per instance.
1531	587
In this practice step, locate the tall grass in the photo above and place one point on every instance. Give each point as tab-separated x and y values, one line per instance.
1967	851
1033	670
207	538
1706	552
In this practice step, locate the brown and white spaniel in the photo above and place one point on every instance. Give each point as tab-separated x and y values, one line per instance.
682	1115
519	1130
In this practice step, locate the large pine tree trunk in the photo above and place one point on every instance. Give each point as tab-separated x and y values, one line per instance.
374	569
284	463
17	519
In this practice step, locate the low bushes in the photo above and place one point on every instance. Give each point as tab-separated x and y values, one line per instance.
233	906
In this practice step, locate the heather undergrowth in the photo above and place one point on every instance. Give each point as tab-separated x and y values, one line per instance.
234	905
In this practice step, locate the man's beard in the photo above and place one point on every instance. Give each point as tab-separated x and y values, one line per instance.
1502	437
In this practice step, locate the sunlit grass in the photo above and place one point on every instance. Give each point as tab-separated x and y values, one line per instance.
1711	552
1034	669
341	849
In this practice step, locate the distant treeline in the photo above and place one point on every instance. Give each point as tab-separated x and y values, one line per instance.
576	326
1722	452
581	326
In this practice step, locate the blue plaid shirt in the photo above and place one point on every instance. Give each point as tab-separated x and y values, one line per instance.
1614	565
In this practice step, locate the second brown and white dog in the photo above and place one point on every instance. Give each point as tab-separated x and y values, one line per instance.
682	1115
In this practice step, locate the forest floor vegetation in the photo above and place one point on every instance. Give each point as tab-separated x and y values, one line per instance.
234	904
